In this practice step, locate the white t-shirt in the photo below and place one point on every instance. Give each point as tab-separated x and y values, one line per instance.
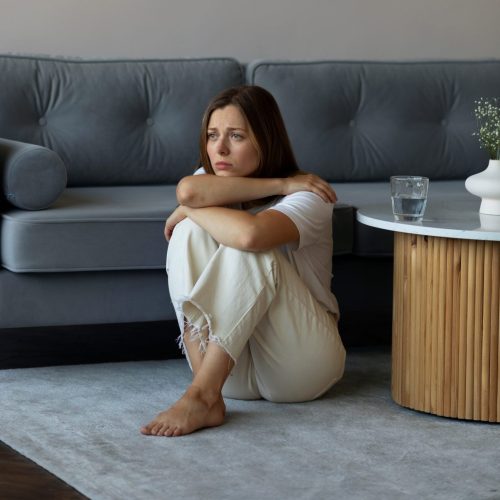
312	255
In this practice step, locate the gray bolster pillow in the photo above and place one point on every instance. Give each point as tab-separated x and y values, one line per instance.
32	177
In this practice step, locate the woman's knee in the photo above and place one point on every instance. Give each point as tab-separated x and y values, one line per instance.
187	226
190	249
188	234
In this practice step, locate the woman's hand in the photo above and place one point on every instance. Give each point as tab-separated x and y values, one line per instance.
177	216
311	183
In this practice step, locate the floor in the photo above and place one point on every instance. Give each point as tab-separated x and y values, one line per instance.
21	479
395	453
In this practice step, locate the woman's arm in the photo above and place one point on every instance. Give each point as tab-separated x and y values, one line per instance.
210	190
239	229
198	191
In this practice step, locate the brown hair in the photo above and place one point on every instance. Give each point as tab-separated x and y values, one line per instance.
261	111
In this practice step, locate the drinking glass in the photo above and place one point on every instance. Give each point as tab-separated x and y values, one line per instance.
409	197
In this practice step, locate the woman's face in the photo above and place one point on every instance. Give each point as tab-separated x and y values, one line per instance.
230	147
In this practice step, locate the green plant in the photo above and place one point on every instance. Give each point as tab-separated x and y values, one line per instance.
487	112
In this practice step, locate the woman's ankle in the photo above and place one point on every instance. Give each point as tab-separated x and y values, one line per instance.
208	395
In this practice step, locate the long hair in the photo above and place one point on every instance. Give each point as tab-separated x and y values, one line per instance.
267	128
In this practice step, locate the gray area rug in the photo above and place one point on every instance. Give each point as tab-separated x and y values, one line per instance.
82	424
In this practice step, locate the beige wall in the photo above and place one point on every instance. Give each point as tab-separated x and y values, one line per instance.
252	29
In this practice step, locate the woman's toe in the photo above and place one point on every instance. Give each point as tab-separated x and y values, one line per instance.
155	429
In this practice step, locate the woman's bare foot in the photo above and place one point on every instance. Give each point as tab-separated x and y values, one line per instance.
193	411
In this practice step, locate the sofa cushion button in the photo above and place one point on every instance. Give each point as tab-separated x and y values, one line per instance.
351	123
42	121
150	121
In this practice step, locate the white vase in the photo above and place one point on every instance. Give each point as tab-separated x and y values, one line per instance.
486	185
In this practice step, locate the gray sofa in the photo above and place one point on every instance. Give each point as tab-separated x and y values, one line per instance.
91	151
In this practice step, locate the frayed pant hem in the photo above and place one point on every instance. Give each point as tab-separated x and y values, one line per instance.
197	326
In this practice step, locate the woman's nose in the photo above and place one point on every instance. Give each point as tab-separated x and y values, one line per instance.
222	147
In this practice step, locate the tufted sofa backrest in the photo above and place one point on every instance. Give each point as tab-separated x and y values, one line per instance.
362	121
137	121
112	122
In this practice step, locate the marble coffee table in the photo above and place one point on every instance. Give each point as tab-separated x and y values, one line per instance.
446	308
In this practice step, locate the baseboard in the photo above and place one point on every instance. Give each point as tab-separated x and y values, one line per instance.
63	345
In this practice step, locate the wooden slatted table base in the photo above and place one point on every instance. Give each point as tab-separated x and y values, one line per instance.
446	326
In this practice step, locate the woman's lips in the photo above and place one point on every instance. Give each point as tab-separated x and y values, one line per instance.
222	165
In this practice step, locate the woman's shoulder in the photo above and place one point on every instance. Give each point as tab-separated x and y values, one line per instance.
305	199
305	205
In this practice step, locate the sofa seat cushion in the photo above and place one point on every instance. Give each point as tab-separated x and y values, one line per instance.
373	242
90	229
107	228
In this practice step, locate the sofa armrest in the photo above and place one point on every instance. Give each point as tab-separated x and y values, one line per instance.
32	177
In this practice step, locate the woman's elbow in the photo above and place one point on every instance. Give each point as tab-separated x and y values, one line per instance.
185	193
251	241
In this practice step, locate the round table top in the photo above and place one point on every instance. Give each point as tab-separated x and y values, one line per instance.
450	218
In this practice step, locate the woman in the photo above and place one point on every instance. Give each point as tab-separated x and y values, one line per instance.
249	266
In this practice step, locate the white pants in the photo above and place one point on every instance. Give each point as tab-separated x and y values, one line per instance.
285	345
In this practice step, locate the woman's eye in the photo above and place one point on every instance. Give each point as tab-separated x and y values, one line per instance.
236	136
211	137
